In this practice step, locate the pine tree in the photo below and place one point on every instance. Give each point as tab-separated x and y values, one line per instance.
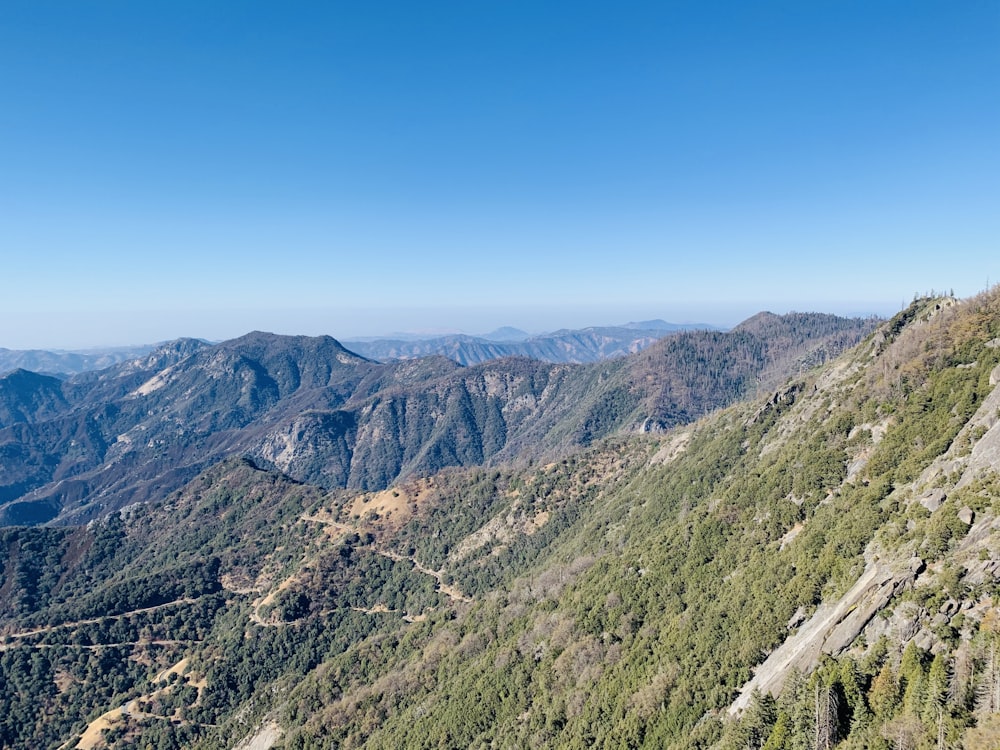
757	721
883	697
781	733
935	690
796	702
912	679
850	681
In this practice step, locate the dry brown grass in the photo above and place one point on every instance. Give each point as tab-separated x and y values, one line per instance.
93	735
396	504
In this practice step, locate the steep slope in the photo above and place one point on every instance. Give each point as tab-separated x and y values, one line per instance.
640	622
621	596
121	379
692	373
463	417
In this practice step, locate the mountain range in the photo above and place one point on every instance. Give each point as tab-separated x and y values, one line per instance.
563	346
583	345
77	449
785	536
67	362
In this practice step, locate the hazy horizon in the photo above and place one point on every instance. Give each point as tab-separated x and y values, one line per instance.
181	168
75	335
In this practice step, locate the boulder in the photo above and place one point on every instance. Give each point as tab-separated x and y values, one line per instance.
932	500
949	607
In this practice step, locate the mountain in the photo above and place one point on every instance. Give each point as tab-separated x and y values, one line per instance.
506	333
67	362
563	346
150	424
324	415
662	325
29	397
817	566
588	345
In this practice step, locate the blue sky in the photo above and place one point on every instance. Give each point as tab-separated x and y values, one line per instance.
203	169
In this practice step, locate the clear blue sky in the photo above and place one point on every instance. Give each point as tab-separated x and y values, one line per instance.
207	168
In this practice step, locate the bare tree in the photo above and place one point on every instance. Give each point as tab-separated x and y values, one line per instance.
903	732
826	717
988	691
960	676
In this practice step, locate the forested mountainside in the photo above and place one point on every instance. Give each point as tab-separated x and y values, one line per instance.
27	397
563	346
75	450
815	568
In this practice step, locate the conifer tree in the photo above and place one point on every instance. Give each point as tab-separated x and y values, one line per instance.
850	681
912	679
935	690
883	697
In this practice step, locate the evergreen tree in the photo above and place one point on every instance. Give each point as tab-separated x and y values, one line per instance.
883	697
912	679
936	690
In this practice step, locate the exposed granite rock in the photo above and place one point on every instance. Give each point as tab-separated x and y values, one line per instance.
831	629
932	500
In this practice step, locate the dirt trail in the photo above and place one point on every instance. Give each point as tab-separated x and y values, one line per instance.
91	621
448	590
97	646
342	527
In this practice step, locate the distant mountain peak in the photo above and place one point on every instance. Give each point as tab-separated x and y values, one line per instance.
506	333
271	342
651	325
